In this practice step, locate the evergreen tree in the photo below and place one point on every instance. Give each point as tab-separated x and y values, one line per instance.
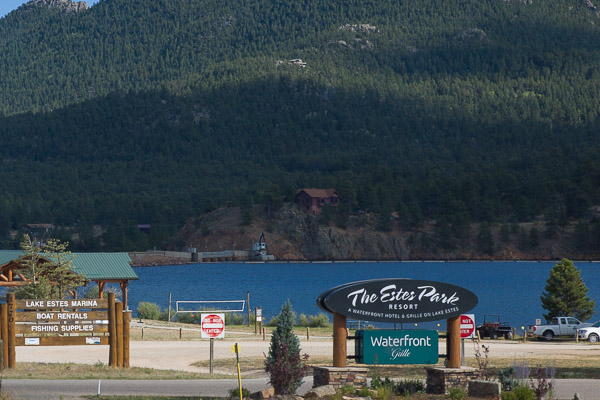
284	364
504	233
565	293
485	240
48	270
534	238
523	239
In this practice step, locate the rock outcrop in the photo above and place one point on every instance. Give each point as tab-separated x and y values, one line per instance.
65	5
294	235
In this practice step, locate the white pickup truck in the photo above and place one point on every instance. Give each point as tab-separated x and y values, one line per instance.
559	326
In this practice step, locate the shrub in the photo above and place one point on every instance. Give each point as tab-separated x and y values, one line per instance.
348	389
456	393
235	393
235	318
506	376
407	387
284	364
164	316
318	321
384	393
148	310
377	382
519	393
275	320
543	382
187	318
303	320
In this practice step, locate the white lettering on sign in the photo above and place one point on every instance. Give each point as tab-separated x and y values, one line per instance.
62	328
44	328
61	303
389	341
434	296
61	316
391	293
400	353
365	298
77	328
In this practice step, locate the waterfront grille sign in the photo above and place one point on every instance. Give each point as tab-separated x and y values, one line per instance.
396	347
398	300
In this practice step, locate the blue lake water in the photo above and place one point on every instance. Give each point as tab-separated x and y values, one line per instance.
510	289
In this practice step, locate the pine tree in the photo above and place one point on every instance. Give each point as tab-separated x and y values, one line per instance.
485	239
284	364
48	270
565	293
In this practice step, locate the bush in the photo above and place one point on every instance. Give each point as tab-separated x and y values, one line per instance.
319	321
456	393
506	376
348	389
275	320
235	393
519	393
148	310
164	316
285	366
235	318
302	320
187	318
407	387
384	393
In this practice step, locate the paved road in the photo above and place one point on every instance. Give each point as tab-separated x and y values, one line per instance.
35	389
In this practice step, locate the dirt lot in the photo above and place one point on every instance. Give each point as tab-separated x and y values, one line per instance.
162	349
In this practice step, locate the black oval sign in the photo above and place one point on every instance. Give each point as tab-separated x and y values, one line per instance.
398	300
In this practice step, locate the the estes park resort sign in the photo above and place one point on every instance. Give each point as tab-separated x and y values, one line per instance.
397	300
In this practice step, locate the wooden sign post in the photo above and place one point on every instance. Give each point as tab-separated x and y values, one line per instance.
65	322
453	342
339	340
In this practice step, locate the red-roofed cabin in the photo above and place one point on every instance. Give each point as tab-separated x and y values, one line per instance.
313	200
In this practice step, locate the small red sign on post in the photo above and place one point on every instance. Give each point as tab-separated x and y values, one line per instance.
467	325
213	326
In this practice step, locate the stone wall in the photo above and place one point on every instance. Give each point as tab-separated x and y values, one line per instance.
439	380
487	389
340	376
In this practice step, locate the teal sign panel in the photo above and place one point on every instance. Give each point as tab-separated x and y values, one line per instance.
396	347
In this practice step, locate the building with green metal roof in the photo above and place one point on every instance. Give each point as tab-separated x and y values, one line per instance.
101	268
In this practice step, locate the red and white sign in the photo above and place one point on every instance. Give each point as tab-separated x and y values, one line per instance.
213	326
467	325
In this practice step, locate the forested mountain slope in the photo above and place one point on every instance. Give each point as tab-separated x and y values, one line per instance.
157	110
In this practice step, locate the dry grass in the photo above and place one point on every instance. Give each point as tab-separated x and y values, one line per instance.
161	330
250	365
96	371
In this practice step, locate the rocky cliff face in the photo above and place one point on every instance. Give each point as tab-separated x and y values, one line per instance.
292	234
65	5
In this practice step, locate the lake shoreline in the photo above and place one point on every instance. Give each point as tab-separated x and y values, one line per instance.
162	261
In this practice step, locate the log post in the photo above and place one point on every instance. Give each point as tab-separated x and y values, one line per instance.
112	331
4	331
119	316
126	337
339	340
453	342
12	317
